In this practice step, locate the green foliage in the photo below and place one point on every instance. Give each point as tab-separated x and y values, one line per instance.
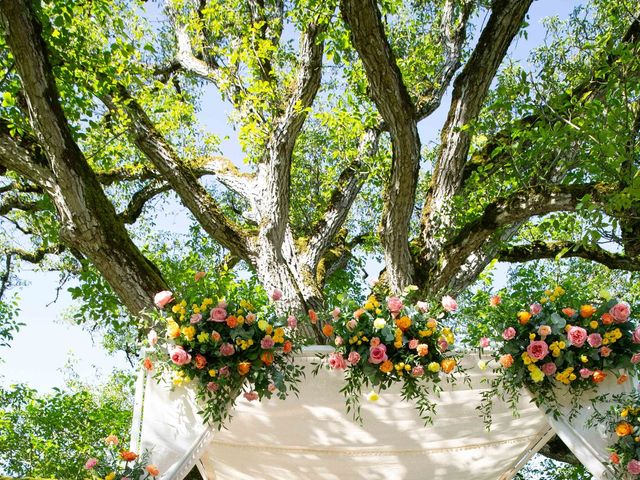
546	469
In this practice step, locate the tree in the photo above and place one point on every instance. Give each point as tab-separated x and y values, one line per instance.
99	120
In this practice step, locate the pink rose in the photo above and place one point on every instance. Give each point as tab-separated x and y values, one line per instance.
509	333
394	304
495	300
250	318
634	467
577	336
484	342
162	298
213	387
417	371
605	351
179	356
378	354
92	462
636	335
267	342
535	308
413	343
635	358
351	325
292	321
442	343
152	336
620	312
449	304
537	349
422	306
354	357
195	318
251	396
595	340
224	371
276	295
226	349
544	330
585	373
336	313
218	314
338	340
549	368
337	362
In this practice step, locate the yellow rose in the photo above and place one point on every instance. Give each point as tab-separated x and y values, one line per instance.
111	476
536	374
189	332
173	329
434	367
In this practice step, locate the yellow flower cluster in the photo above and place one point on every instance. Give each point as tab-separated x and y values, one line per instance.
431	328
265	327
248	306
398	339
566	376
203	337
188	332
278	335
173	329
526	358
448	335
556	347
181	309
630	410
612	337
552	295
244	344
372	304
401	368
535	373
358	339
180	379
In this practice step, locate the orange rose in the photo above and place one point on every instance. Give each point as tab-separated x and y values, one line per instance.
448	364
587	310
197	277
327	330
386	366
287	347
615	459
244	367
215	336
200	361
147	364
607	318
128	456
569	312
422	349
153	470
623	429
506	360
622	378
267	358
599	376
232	322
524	317
358	312
403	323
313	316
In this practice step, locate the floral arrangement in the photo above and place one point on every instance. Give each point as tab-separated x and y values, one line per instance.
622	420
380	344
118	464
552	343
225	347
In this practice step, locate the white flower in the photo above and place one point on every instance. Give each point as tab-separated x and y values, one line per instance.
482	365
379	323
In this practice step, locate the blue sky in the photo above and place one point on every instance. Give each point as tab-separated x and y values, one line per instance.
40	351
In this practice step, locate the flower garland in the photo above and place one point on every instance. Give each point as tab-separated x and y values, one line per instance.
382	344
118	464
225	348
551	344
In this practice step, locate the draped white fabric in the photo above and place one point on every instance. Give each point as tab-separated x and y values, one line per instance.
312	437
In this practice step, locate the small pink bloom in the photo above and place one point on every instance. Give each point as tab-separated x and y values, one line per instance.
162	298
620	312
595	340
378	354
224	371
449	303
250	318
495	300
336	313
351	325
338	341
635	358
354	357
92	462
413	343
213	387
292	321
577	336
585	373
218	314
251	396
337	361
605	351
195	318
549	368
276	295
422	306
267	342
152	336
509	333
394	304
226	349
636	335
535	308
375	341
484	342
179	356
417	371
199	276
633	467
537	349
544	330
442	343
272	387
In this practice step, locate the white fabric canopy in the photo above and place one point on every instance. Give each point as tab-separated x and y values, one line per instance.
312	437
